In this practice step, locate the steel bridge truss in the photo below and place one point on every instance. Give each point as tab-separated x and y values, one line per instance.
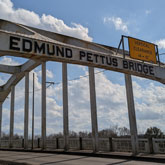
40	46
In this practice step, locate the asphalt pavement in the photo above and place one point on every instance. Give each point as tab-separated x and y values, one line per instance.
38	158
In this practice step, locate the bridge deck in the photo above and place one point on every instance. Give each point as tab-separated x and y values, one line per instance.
81	158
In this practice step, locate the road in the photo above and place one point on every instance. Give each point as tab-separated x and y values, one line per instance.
25	158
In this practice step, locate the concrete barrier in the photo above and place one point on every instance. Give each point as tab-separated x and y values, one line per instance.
105	144
158	145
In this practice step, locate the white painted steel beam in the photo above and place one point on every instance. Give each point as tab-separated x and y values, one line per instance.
0	122
9	69
131	113
93	109
29	65
15	78
65	106
12	116
26	111
43	106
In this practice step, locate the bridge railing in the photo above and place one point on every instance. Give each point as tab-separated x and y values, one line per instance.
158	145
105	144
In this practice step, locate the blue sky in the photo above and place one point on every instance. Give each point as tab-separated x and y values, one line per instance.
144	19
98	21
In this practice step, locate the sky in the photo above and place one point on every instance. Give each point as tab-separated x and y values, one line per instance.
97	21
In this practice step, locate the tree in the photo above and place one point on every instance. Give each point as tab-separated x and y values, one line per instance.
123	131
154	132
107	133
73	134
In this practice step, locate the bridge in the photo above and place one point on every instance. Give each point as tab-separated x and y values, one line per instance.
39	46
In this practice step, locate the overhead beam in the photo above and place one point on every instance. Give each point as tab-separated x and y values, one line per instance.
29	65
9	69
15	78
44	48
28	42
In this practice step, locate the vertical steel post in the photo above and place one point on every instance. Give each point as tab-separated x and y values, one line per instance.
158	54
33	115
26	111
123	46
131	113
65	106
43	99
0	122
119	46
12	116
93	109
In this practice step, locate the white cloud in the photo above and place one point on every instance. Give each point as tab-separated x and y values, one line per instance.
8	61
118	23
84	68
148	12
160	43
48	22
111	105
149	104
49	73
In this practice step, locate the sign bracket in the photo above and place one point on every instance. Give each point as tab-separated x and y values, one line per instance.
157	54
122	43
157	60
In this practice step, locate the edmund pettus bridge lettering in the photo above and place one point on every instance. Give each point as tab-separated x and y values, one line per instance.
45	48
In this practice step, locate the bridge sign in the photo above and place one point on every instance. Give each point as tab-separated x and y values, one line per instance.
142	50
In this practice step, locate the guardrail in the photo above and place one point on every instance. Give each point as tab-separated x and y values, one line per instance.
105	144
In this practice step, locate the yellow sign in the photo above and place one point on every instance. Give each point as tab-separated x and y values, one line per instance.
142	50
